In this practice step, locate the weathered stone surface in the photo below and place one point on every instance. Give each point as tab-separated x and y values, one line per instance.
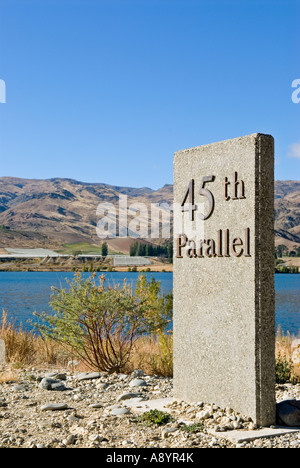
56	376
224	318
54	407
89	376
138	383
96	405
288	413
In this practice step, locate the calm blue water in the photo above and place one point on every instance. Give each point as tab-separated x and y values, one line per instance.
23	293
287	288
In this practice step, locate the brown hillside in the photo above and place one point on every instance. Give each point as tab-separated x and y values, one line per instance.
51	213
287	213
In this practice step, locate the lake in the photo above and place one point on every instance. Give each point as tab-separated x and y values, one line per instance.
22	293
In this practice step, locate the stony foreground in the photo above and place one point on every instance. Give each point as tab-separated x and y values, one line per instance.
73	410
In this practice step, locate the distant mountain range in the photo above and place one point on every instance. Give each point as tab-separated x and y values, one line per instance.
52	213
287	213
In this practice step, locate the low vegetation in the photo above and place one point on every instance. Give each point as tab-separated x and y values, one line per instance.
100	324
287	261
159	418
111	328
286	370
85	248
23	349
193	428
106	327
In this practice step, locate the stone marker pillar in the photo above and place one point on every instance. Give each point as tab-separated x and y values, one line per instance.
2	353
224	313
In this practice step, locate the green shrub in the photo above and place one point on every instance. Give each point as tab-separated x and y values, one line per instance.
284	369
191	429
162	361
101	324
157	417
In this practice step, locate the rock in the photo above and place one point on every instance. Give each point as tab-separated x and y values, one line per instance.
97	438
73	418
88	376
135	400
51	384
168	431
102	385
58	386
20	388
122	376
119	411
288	413
55	407
236	425
46	383
106	418
296	352
78	398
127	396
56	376
70	440
219	429
137	373
203	415
138	383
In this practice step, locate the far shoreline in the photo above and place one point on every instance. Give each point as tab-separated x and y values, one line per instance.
105	265
111	270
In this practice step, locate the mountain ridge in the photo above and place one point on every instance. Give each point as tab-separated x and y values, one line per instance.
57	211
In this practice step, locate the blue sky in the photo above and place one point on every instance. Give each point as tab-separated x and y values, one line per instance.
107	90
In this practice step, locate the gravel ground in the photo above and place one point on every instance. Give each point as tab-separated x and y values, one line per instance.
73	410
